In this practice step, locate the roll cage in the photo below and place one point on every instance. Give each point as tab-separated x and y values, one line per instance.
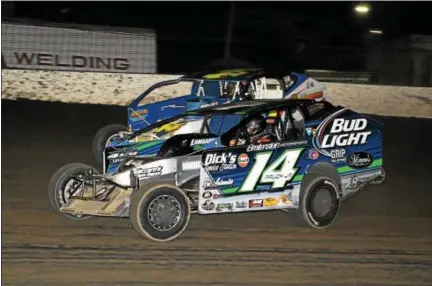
309	110
289	128
198	86
254	81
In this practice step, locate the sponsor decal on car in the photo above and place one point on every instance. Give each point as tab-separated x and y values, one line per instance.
269	202
274	176
191	165
139	113
224	206
285	199
207	195
358	160
209	104
201	141
261	147
241	205
217	196
313	154
338	155
345	126
208	205
144	173
172	106
272	146
169	127
239	142
119	156
310	132
209	183
356	182
220	162
256	203
243	160
198	147
343	132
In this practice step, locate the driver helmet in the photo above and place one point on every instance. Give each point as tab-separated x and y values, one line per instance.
256	125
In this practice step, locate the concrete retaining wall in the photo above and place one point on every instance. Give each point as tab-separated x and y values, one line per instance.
120	89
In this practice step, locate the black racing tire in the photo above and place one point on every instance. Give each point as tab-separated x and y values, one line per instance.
142	205
306	215
57	184
101	138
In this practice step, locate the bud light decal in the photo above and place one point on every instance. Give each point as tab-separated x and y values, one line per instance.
336	133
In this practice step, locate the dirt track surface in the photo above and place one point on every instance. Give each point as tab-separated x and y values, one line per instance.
382	237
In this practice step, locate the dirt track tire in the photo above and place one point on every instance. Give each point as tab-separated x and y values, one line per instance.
57	184
306	214
101	138
143	206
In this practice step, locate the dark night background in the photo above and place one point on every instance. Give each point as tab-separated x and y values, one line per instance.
275	35
382	237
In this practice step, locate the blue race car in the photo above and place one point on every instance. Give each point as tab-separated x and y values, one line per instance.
205	89
300	156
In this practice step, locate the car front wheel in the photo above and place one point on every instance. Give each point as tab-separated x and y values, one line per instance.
159	212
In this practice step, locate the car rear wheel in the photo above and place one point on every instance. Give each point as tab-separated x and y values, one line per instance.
319	203
159	212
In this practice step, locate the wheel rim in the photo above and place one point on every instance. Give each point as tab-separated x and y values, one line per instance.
322	206
164	213
65	193
322	203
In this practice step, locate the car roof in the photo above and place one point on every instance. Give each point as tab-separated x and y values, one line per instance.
235	74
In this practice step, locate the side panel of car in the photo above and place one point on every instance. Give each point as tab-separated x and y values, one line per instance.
252	178
140	116
145	115
350	142
217	124
205	94
269	176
